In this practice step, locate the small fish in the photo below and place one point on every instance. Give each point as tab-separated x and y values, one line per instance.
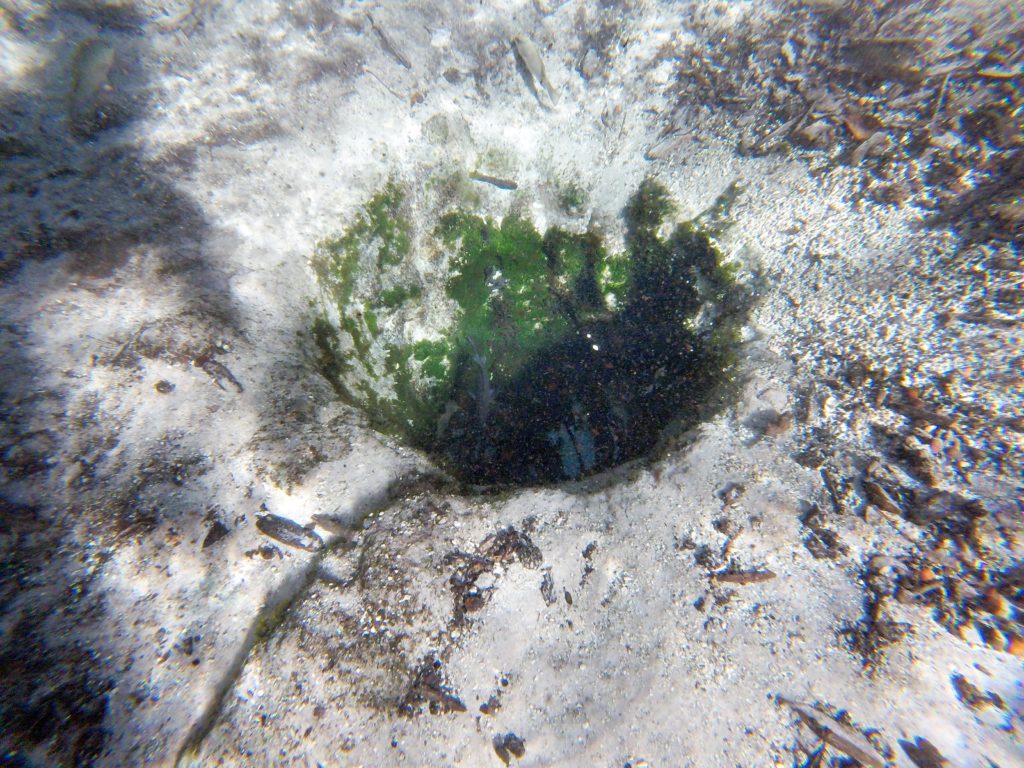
450	409
90	67
288	532
216	371
389	44
743	577
534	64
347	535
494	180
484	395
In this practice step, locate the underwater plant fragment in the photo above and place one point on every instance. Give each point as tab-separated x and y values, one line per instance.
558	360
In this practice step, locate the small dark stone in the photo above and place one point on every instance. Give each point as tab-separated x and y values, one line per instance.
515	745
269	551
490	706
217	532
473	602
164	387
547	589
923	753
507	746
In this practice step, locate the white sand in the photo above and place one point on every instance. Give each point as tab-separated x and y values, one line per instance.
258	129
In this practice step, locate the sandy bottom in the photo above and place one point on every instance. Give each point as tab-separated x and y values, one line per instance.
844	537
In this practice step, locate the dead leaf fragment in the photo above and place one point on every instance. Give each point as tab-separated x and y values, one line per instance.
874	142
878	496
837	735
862	127
923	753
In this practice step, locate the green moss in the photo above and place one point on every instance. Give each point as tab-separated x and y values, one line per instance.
716	219
380	227
647	209
572	198
399	294
524	347
329	359
454	189
435	358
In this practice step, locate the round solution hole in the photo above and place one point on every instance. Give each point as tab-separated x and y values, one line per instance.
537	358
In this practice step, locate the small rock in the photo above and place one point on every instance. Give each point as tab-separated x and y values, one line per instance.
923	753
216	532
589	64
547	589
507	746
778	425
164	387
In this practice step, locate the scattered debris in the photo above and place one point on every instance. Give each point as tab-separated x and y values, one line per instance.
128	346
588	562
492	705
215	369
505	546
972	696
876	630
288	532
820	541
508	544
881	499
547	588
430	687
730	493
266	551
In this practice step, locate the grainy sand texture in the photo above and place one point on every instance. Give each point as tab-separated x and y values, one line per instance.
210	558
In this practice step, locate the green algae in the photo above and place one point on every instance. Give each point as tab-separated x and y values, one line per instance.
572	198
398	294
557	358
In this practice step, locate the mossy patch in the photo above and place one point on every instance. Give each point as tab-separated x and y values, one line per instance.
557	359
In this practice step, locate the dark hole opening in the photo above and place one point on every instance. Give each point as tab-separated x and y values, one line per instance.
563	361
